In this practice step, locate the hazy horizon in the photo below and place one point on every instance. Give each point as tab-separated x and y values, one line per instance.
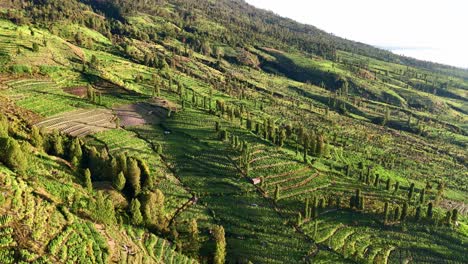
426	30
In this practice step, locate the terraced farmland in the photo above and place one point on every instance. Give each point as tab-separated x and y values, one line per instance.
80	123
43	97
369	242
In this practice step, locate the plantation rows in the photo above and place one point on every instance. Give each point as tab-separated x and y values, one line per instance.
79	243
120	141
278	170
149	245
203	163
80	123
44	97
371	243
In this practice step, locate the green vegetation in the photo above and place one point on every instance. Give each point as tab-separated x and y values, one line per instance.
212	132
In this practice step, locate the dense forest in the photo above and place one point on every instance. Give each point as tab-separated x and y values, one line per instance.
182	131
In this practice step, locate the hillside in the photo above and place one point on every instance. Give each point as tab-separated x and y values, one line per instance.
170	131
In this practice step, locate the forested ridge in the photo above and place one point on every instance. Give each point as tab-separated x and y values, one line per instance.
171	131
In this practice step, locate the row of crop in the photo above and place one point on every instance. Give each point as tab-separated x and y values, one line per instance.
79	243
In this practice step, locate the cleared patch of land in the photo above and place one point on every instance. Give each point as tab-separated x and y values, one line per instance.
140	114
80	123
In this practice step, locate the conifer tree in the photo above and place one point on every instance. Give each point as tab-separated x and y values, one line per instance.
134	176
455	216
404	212
87	180
75	151
12	155
386	212
220	240
146	177
137	218
36	138
119	181
121	160
153	209
387	187
277	192
320	146
411	192
429	213
194	237
57	144
418	213
422	196
396	215
448	218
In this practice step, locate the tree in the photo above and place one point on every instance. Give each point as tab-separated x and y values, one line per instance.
119	181
377	180
94	61
220	239
386	212
146	177
355	200
429	213
404	212
121	163
57	144
153	209
386	117
396	215
35	47
422	195
389	182
455	216
194	238
277	192
418	213
3	126
87	180
135	212
36	138
281	137
411	192
320	146
134	176
223	135
12	155
397	186
75	151
448	217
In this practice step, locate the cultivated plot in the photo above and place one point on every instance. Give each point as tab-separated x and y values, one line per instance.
81	123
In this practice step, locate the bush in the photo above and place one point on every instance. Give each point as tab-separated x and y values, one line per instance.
20	69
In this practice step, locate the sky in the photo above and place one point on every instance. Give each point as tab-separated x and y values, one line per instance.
433	30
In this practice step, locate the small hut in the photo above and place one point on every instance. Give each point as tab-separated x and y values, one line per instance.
256	181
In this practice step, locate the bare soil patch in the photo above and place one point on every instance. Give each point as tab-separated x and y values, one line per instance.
143	112
79	91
